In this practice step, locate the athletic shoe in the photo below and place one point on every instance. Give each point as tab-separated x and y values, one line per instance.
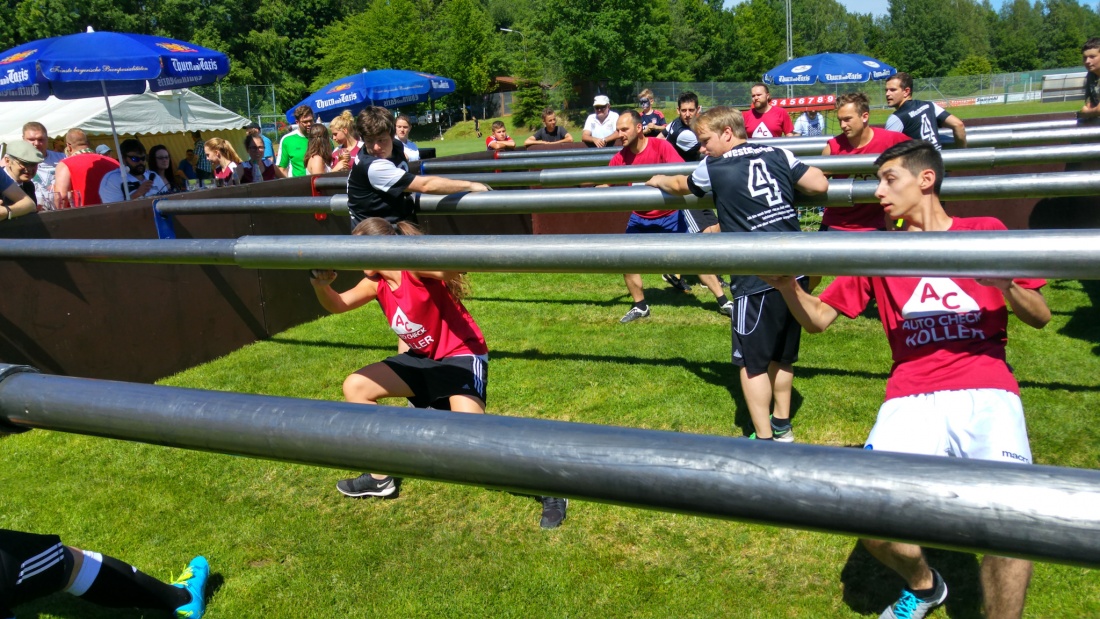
553	511
634	314
726	308
912	607
365	485
193	579
677	283
783	434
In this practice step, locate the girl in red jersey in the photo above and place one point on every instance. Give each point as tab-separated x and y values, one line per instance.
443	361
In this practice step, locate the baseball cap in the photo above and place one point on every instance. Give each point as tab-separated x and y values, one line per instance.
102	149
601	100
24	152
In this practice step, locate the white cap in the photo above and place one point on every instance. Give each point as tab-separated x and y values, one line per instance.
601	100
102	149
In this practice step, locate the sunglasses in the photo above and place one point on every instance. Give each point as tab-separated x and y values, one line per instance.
136	158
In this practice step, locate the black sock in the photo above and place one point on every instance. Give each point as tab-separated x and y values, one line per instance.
722	300
642	305
926	594
763	439
780	423
120	585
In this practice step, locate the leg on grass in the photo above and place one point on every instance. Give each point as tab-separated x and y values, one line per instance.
711	282
905	559
1004	586
757	389
466	404
781	376
372	383
634	286
116	584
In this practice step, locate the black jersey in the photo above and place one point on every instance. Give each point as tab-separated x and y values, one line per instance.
753	188
376	187
920	120
1092	89
683	139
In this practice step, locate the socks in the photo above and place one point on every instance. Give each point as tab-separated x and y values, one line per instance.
121	585
642	305
722	300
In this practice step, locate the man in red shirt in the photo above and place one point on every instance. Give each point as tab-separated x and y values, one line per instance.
641	150
765	120
950	391
78	176
857	138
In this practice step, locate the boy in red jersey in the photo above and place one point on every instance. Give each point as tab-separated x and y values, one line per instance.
447	359
950	392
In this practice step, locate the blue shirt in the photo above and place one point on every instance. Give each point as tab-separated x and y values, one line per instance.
269	152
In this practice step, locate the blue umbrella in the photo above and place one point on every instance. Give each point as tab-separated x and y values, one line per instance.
89	64
829	69
385	87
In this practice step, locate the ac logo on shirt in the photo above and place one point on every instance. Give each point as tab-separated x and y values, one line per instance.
405	328
762	131
939	311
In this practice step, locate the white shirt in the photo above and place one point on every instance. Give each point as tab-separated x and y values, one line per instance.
110	188
602	130
803	125
412	151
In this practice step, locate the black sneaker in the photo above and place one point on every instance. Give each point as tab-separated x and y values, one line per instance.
677	283
634	314
553	511
365	486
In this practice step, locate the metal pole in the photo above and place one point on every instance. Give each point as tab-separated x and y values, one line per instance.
965	159
1053	254
1038	512
798	146
842	192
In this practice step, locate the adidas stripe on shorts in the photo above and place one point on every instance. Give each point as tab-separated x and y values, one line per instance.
31	566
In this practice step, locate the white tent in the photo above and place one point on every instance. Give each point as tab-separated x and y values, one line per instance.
150	113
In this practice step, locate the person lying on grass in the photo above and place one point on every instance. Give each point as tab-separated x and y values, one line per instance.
446	364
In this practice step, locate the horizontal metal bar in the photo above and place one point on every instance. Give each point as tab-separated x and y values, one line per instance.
1052	254
1037	512
322	204
440	166
966	159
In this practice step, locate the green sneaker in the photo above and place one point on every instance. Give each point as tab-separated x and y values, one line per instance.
194	580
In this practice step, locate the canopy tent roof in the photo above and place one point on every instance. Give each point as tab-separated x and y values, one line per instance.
148	113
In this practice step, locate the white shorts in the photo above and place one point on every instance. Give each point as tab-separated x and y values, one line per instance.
985	424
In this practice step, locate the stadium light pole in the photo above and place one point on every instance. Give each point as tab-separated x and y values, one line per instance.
523	39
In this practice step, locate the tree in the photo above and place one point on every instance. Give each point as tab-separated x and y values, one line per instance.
921	36
467	47
389	34
756	33
1016	38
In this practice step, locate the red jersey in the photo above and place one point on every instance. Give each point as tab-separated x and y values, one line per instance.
860	216
351	155
489	140
425	315
945	334
87	171
655	151
775	123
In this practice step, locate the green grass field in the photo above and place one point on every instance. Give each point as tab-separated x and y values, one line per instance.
462	139
284	544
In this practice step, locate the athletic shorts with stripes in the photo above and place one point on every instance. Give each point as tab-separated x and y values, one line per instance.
764	331
699	220
432	380
31	566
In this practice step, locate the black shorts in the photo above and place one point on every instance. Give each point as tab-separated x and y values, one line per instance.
431	380
31	566
699	220
764	331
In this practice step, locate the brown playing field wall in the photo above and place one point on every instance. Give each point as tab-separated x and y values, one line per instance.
143	322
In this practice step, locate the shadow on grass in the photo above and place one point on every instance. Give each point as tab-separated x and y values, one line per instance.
1084	321
71	607
869	586
654	296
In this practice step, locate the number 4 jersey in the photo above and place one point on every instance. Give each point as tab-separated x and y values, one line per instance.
946	334
753	188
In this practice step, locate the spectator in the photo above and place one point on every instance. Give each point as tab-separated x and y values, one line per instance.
40	565
292	148
269	151
499	139
187	166
104	150
78	178
679	133
599	127
347	141
21	161
139	182
1091	54
35	134
404	126
202	166
550	132
653	120
258	168
318	154
765	120
14	200
920	120
225	160
160	163
811	124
